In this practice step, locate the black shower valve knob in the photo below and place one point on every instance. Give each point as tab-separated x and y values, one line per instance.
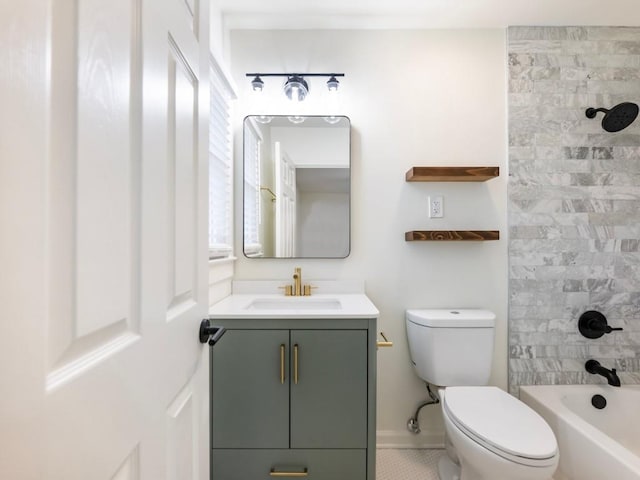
593	324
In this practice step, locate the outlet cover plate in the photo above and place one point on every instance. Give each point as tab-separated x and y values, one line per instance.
436	206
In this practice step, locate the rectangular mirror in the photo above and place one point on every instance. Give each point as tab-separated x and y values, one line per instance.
297	186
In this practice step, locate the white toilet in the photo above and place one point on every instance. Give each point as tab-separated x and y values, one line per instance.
491	435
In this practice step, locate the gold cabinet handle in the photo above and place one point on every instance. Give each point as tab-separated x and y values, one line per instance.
295	364
282	363
386	342
275	473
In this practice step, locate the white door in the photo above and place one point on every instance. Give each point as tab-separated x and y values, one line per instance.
103	239
285	203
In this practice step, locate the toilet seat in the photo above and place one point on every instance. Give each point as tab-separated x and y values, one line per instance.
502	424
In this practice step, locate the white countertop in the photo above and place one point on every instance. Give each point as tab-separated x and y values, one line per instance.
257	299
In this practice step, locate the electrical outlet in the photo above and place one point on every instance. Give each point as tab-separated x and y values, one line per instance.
436	206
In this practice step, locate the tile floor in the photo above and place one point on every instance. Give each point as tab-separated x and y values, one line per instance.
407	464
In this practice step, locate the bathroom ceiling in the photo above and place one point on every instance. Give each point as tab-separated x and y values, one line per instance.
426	13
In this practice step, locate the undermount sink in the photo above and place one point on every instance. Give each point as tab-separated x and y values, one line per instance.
294	303
258	299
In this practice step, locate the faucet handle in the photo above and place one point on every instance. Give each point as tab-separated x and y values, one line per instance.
593	324
288	290
306	289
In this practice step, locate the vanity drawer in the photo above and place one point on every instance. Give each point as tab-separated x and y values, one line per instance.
273	464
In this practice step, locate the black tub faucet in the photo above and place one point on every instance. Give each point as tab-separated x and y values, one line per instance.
593	366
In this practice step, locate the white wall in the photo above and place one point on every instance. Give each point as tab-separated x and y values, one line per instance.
217	34
433	97
314	147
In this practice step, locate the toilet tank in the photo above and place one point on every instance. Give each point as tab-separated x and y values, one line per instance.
451	347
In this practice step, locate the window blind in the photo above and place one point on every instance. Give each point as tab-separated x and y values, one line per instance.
252	241
220	164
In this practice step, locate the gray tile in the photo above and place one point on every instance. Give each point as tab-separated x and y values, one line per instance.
573	202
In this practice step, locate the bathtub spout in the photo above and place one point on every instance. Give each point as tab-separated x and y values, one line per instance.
593	366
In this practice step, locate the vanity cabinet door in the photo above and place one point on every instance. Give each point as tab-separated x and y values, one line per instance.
250	390
329	400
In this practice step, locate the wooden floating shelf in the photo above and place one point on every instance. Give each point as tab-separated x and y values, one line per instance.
451	174
451	235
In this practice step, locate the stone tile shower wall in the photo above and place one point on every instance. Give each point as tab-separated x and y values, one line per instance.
574	203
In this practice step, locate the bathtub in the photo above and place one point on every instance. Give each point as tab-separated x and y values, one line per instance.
595	444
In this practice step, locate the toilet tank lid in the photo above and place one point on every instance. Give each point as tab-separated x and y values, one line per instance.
452	317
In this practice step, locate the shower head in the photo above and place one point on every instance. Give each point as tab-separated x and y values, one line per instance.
616	119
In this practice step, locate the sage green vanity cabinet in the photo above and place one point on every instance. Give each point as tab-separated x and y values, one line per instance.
250	404
293	396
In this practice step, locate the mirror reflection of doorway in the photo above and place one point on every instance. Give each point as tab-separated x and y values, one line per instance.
285	179
300	205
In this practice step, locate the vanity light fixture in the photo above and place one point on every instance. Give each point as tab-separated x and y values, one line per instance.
332	84
296	87
257	84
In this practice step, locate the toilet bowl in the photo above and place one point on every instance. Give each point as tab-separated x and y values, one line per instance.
490	434
495	437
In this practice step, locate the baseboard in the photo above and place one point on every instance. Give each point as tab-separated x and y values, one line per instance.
400	439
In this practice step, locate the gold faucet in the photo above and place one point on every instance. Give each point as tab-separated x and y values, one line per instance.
297	289
297	282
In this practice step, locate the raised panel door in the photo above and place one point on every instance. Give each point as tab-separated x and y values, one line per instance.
104	246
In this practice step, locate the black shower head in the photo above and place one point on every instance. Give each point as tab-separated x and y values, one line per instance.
618	118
